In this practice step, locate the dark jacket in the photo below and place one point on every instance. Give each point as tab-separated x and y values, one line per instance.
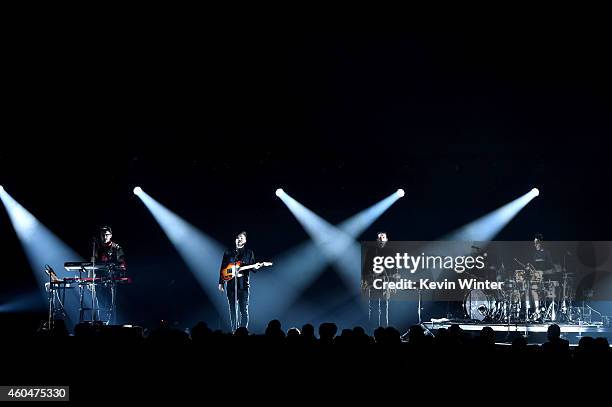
111	253
542	260
369	251
246	257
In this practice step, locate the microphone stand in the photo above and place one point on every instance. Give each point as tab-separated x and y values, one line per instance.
51	303
563	302
94	311
236	299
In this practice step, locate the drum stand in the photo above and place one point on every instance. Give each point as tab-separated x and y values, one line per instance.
527	295
591	310
566	303
513	305
550	311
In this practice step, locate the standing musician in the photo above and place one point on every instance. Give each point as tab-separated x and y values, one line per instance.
237	289
542	259
108	252
379	301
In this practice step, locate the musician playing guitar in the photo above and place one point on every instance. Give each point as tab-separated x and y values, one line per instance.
237	278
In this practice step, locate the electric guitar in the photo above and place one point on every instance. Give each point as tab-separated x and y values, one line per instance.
234	269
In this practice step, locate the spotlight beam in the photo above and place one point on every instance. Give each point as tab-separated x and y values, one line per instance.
489	225
357	224
42	247
201	253
482	229
331	240
329	244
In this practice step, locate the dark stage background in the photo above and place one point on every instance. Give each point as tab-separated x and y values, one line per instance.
463	122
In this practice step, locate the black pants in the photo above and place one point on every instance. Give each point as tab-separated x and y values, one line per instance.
243	306
378	310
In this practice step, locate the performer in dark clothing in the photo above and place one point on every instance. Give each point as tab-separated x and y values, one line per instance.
237	289
108	251
542	259
378	300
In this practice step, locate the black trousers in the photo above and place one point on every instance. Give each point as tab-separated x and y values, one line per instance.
243	306
378	310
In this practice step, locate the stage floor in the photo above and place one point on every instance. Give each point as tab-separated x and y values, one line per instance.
535	333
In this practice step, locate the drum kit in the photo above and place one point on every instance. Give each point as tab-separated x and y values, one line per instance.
527	296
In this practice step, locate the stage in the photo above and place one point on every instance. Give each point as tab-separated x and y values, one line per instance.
535	333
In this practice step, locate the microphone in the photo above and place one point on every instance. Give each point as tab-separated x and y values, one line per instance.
49	270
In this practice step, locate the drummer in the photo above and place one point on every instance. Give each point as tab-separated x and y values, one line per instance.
542	259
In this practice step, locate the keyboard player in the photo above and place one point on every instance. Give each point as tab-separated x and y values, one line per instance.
107	251
111	253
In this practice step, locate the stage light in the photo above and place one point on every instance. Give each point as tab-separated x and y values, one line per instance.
200	252
137	191
279	192
329	244
489	225
482	229
358	223
1	188
330	239
42	247
300	266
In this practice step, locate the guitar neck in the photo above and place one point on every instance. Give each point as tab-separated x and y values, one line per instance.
250	266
